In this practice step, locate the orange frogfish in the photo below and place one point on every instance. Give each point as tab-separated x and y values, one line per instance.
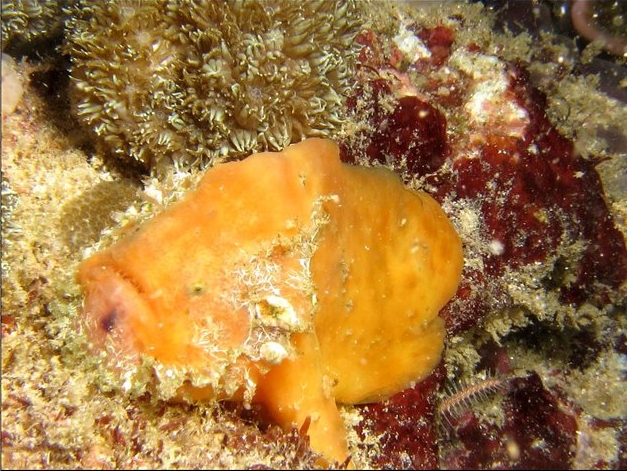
288	279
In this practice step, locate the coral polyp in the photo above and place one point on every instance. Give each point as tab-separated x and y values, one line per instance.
26	22
186	82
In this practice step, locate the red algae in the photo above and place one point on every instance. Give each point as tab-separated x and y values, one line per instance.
535	194
539	204
439	41
536	434
406	426
411	139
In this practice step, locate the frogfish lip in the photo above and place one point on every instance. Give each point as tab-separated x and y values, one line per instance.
110	306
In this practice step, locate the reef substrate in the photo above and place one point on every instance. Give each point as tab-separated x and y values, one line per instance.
525	154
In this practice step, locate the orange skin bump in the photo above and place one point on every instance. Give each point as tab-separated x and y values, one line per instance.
289	279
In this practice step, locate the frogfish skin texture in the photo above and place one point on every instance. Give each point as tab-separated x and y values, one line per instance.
289	279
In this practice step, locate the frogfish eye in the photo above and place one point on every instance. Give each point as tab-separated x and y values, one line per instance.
107	323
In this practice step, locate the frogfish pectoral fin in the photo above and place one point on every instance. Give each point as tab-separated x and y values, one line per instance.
295	392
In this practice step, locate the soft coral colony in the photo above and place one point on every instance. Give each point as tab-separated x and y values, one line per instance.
198	83
166	82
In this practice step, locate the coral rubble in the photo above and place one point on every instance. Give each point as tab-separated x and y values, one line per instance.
184	82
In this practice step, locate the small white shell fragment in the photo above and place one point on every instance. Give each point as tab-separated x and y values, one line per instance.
273	352
283	314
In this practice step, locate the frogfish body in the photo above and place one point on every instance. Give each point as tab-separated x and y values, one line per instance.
289	279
